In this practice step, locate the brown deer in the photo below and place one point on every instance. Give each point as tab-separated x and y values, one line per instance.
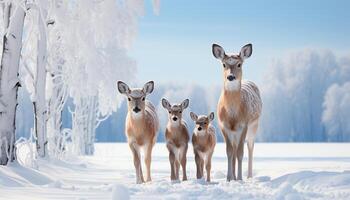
141	125
238	110
203	141
177	137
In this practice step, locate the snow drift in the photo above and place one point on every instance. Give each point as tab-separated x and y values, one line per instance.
296	171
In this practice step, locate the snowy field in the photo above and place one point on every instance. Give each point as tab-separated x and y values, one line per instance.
281	171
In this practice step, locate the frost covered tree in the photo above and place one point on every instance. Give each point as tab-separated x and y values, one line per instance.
13	19
39	101
35	53
56	77
293	92
96	45
336	115
57	90
82	62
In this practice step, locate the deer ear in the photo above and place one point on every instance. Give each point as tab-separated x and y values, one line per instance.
184	104
211	116
148	87
166	104
218	51
246	51
123	88
194	117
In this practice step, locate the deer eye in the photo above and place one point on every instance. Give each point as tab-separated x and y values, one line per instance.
169	111
143	98
224	65
239	65
129	99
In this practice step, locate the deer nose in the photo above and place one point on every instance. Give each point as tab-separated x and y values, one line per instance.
136	109
231	77
199	128
174	118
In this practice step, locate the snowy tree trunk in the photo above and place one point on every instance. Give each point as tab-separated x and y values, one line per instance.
84	125
39	104
79	129
56	104
91	126
56	88
9	82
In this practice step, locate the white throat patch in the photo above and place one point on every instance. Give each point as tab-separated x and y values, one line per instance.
136	115
200	133
174	123
232	85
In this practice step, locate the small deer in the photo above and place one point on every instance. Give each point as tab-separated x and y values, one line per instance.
141	125
203	141
238	109
177	137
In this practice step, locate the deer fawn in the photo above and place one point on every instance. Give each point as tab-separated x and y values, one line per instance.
238	109
203	141
177	137
141	125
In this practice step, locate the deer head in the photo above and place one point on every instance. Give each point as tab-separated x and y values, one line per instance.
136	96
175	111
232	64
202	122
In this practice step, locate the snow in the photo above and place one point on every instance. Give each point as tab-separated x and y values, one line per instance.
120	192
281	171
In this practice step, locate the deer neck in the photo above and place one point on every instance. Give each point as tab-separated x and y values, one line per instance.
203	135
232	99
174	126
139	117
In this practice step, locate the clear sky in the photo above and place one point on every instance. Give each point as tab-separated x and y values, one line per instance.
175	46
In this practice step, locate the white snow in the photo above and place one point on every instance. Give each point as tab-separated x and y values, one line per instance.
120	192
281	171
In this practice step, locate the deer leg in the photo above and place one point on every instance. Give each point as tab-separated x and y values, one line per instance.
208	166
252	128
202	167
198	165
230	160
136	156
240	153
239	161
172	162
250	158
148	160
183	163
177	169
234	157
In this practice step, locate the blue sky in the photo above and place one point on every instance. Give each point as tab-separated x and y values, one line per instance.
175	46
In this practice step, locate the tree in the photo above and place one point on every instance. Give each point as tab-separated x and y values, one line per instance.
39	102
95	58
13	14
293	95
35	61
336	114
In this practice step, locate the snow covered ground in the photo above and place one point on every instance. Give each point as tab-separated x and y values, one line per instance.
281	171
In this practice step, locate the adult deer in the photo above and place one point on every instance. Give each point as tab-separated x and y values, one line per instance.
238	110
141	125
